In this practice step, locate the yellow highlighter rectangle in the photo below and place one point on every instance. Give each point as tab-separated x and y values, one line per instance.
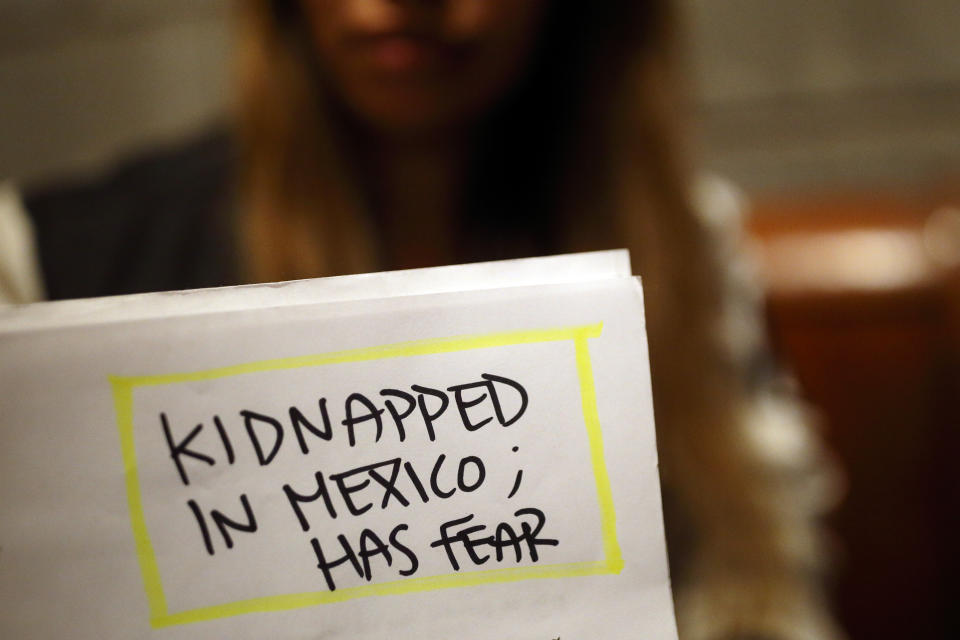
160	616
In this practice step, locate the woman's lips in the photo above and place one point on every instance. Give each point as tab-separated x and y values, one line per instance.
405	53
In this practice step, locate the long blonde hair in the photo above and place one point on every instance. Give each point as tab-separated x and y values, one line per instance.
621	180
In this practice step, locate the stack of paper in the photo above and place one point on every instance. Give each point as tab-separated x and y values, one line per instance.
463	452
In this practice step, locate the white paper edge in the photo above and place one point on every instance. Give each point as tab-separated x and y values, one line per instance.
560	269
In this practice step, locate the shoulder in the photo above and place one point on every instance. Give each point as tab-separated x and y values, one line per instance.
20	280
155	222
792	481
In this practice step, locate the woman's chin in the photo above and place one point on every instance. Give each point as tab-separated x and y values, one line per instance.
404	113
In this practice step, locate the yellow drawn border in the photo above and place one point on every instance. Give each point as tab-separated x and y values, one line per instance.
159	615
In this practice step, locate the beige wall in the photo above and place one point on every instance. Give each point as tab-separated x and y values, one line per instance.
791	93
82	81
796	93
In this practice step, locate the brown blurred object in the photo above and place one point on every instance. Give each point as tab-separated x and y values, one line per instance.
864	307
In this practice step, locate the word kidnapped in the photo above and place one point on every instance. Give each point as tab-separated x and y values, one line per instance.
377	485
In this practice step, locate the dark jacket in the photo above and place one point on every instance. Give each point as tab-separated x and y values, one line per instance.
158	222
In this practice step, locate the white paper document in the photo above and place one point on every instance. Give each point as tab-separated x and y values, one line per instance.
456	453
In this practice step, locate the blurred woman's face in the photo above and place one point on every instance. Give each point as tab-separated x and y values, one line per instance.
411	67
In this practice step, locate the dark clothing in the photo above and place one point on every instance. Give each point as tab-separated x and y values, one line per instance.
158	223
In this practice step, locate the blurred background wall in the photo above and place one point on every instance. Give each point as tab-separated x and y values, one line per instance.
789	93
825	92
839	118
83	81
